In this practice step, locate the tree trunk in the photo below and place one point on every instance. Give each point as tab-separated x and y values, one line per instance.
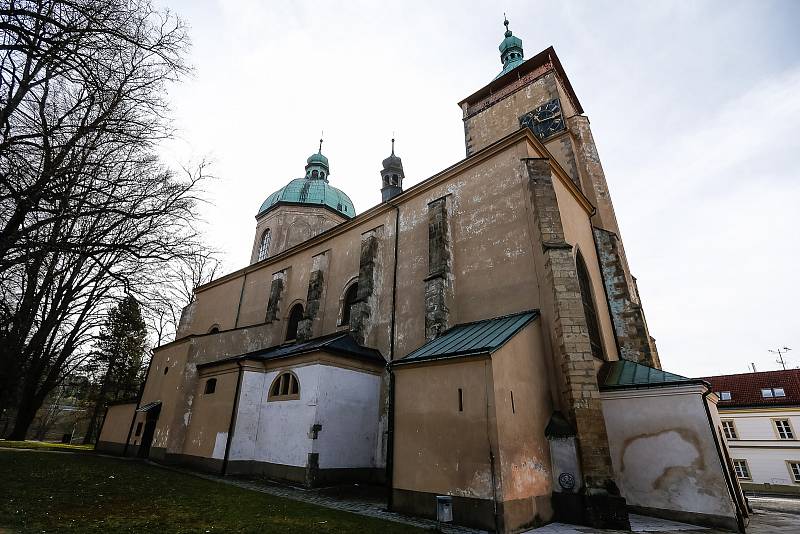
26	413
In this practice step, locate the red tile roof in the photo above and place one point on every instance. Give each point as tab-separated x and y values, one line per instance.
746	388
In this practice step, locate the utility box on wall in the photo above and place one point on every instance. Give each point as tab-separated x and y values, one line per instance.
444	509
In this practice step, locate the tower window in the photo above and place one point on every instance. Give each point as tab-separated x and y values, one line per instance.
315	174
263	247
284	387
350	297
295	316
589	309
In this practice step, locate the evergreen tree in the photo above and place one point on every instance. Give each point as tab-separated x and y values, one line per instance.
119	358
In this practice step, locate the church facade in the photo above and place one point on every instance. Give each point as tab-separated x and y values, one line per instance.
477	337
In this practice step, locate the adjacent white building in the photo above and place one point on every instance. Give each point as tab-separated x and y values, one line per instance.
760	416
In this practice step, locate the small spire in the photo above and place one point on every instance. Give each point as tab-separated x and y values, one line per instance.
392	143
505	23
321	135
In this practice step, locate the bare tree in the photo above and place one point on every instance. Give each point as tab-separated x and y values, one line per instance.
87	212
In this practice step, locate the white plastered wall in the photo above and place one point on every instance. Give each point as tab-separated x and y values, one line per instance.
663	450
348	411
344	402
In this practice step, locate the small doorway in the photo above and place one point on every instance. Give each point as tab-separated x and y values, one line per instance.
152	411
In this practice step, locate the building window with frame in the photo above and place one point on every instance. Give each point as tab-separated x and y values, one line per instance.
724	395
295	316
589	310
770	393
350	297
794	469
285	387
729	429
211	386
741	469
783	428
263	246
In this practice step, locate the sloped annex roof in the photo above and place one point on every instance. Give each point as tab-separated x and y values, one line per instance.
745	388
627	374
341	343
470	339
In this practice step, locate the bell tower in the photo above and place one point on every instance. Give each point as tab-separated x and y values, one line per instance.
392	176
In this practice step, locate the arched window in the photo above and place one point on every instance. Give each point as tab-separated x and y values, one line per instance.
214	329
284	387
350	297
295	316
589	309
263	247
211	386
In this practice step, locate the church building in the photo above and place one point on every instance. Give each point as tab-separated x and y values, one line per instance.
475	341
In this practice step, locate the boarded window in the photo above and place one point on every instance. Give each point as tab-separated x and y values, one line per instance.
589	309
211	386
284	387
295	316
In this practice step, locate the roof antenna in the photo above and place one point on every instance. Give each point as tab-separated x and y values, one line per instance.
321	135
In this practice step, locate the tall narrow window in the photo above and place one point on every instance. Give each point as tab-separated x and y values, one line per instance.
295	316
589	309
263	246
349	299
460	400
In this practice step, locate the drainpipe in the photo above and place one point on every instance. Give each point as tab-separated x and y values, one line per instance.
138	405
232	424
390	415
724	464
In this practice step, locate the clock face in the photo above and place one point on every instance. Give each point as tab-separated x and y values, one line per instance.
546	120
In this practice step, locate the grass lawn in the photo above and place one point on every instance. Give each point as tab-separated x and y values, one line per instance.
46	445
56	492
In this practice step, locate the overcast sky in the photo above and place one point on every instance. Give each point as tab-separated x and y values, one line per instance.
694	106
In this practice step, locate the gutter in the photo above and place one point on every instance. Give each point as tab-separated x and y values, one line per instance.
232	424
390	414
727	469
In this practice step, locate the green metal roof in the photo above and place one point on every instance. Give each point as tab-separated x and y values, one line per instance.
625	373
311	191
481	337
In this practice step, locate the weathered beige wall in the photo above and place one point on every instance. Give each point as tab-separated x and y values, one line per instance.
663	451
207	432
175	390
521	367
290	225
438	449
117	423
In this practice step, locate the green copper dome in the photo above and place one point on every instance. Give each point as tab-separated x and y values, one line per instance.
313	190
511	53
